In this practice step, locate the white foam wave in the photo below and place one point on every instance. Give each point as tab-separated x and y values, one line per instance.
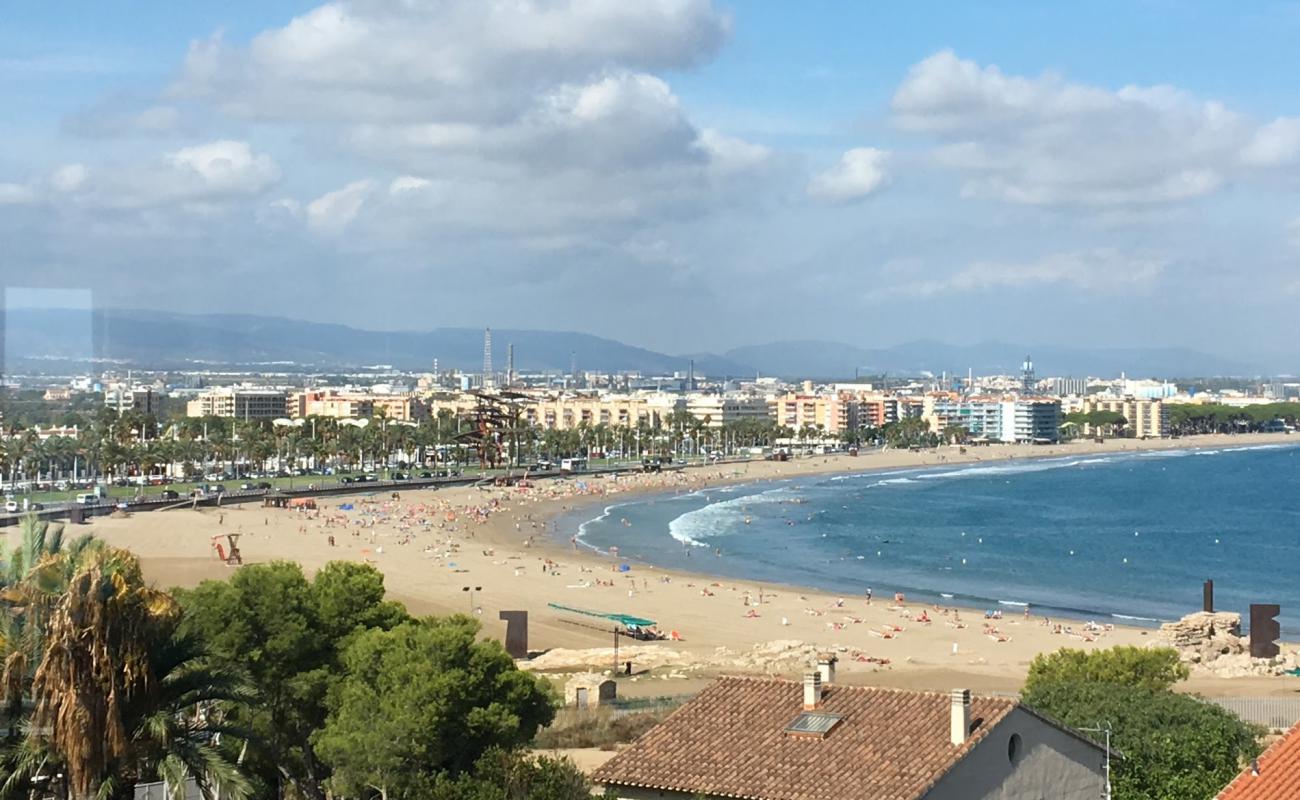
1015	603
722	517
1136	619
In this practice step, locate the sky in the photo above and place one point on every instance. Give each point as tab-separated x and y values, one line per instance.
685	175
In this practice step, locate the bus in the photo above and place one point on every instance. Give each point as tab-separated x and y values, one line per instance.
573	465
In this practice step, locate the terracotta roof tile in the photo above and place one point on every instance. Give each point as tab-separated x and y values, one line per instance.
1279	773
730	741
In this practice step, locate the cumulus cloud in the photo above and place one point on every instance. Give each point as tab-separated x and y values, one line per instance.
1100	270
860	172
226	166
1275	144
1045	141
334	211
475	61
199	174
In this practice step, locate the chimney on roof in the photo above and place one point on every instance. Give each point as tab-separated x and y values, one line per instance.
960	715
812	691
826	669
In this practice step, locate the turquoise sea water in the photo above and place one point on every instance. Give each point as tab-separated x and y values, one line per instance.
1129	536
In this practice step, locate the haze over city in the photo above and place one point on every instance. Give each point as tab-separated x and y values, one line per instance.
685	176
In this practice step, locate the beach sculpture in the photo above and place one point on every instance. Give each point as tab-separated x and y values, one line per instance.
1207	597
1264	630
516	633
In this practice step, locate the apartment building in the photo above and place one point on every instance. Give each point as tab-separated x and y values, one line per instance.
830	413
716	410
1145	418
140	398
239	403
355	405
995	419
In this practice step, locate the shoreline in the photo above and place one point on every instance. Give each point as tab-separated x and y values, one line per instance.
500	554
571	521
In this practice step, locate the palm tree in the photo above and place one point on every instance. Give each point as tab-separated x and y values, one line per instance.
113	692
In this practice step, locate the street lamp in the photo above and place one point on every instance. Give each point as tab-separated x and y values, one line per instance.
471	590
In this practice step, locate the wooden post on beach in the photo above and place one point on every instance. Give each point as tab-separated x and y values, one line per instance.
1207	592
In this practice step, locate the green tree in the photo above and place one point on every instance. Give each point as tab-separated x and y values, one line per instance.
285	635
512	775
422	699
1174	746
1144	667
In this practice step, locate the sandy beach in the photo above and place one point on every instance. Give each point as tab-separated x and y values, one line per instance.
499	542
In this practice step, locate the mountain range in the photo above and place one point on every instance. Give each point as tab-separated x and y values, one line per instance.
167	340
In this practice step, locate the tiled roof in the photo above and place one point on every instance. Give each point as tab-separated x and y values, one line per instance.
730	741
1279	773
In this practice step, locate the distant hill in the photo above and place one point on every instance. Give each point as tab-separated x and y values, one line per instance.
166	340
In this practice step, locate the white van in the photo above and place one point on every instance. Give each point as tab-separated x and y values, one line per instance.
87	499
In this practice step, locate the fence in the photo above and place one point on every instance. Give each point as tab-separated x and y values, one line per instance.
1274	712
638	705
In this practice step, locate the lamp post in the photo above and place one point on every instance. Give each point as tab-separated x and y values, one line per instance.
1106	729
471	590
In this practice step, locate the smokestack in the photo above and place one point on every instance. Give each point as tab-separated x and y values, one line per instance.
812	691
826	669
960	716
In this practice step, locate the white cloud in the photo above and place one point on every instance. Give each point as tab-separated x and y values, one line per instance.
1045	141
69	177
860	172
1100	270
1275	144
226	166
201	175
408	183
334	211
16	194
477	61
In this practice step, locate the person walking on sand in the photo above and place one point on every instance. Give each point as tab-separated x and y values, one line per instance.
868	595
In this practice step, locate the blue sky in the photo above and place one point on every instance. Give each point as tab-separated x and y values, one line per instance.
680	174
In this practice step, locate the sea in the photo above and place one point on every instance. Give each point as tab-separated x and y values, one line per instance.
1125	537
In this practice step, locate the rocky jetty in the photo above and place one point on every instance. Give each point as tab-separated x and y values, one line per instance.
1212	644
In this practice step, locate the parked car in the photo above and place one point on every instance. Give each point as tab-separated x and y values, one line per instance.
246	486
171	494
399	476
264	485
11	506
426	474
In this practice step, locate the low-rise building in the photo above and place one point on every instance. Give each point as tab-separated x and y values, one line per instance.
772	739
1275	775
240	403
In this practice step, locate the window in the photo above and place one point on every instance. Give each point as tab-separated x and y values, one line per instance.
1013	748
